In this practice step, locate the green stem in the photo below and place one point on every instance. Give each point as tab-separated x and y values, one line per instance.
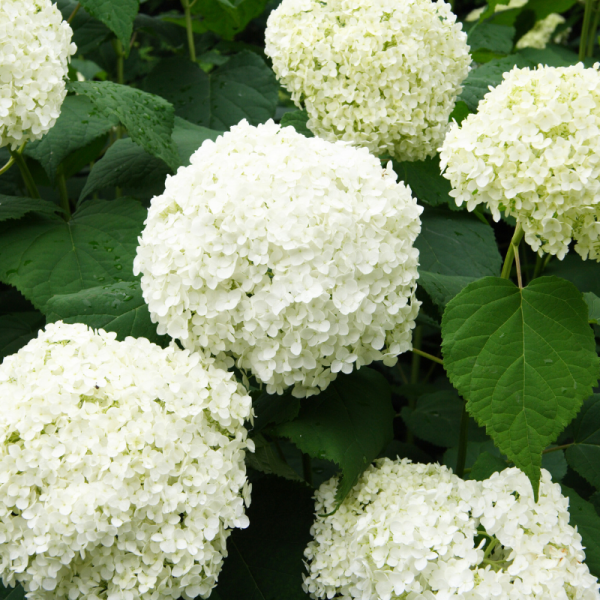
64	194
418	352
592	32
25	172
75	11
556	448
188	25
416	359
463	439
490	548
585	28
510	253
7	166
307	469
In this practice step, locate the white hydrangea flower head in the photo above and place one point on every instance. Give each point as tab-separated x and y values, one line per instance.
35	49
404	531
383	74
291	255
531	150
539	555
121	468
538	36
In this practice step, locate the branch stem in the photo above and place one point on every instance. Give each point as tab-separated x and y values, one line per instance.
75	11
463	440
418	352
64	194
7	166
556	448
187	9
17	156
510	253
585	28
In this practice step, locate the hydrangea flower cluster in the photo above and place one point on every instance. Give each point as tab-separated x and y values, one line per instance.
404	530
292	255
35	49
383	74
121	468
538	36
538	555
531	151
418	532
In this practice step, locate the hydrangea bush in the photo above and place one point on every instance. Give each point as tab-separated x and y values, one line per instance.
419	531
337	258
299	267
35	49
381	74
122	467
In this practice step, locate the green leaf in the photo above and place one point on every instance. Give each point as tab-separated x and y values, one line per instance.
585	518
436	419
243	88
477	83
349	423
117	15
457	244
267	460
543	8
88	32
490	36
13	207
227	17
459	114
118	307
17	329
44	256
474	450
274	409
129	166
297	119
556	463
593	303
583	273
16	593
584	455
442	288
523	359
149	119
425	180
486	465
265	561
455	249
552	55
138	173
79	124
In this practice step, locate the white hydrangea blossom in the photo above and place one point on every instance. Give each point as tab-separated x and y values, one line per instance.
292	255
543	554
531	151
35	49
417	532
121	468
538	36
383	74
404	531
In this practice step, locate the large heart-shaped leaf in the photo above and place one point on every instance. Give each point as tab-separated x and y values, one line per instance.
523	359
117	15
